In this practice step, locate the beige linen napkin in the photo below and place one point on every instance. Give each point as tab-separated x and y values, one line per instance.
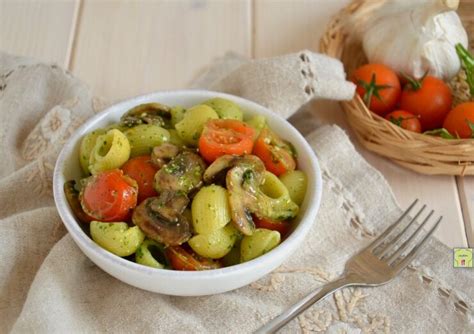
49	286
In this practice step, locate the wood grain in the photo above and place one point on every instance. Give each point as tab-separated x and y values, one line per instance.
39	29
128	48
466	184
466	196
282	27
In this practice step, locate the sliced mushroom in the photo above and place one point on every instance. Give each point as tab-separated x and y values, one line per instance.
163	154
161	218
221	165
148	113
243	181
244	176
72	196
243	187
170	205
182	174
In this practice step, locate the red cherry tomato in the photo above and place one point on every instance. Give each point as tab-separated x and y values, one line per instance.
182	259
404	120
276	154
378	86
281	226
109	196
143	171
460	120
430	99
225	136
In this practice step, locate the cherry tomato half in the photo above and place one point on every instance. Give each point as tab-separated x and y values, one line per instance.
225	136
142	170
276	154
109	196
182	259
281	226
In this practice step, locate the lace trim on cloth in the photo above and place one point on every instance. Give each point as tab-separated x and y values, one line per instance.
458	303
55	127
348	314
48	135
349	205
47	132
307	73
4	77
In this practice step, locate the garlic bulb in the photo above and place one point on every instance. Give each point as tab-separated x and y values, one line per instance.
416	36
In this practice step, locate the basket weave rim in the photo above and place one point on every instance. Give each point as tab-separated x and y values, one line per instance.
420	152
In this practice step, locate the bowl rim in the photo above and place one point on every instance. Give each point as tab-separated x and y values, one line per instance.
314	191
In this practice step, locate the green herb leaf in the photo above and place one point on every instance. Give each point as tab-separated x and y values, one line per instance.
443	133
467	63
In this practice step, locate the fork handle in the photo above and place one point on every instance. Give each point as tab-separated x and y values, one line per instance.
278	322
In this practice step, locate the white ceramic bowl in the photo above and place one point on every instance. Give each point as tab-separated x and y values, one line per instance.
188	283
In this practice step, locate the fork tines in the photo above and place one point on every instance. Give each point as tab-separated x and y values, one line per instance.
388	248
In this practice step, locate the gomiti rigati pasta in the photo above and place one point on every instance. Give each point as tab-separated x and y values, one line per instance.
187	188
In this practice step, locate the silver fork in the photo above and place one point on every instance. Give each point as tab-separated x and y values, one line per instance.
375	265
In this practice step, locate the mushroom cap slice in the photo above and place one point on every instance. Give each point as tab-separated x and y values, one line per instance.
161	218
162	154
242	199
148	113
182	174
243	178
222	164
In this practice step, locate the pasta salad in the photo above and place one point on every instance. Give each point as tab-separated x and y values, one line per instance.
187	189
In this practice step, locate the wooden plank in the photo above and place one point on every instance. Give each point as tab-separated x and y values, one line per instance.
439	193
39	29
466	195
283	26
289	26
129	48
466	184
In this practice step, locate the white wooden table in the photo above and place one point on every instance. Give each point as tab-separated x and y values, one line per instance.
126	48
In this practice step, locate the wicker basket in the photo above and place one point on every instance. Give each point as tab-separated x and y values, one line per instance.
422	153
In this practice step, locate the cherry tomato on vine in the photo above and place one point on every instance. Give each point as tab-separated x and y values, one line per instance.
378	86
460	121
430	98
405	120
